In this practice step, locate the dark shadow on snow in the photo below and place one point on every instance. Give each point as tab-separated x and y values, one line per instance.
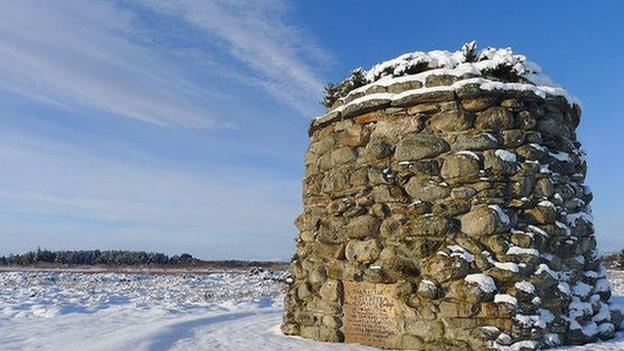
183	330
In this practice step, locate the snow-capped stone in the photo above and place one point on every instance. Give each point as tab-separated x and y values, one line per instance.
505	298
483	281
506	156
525	286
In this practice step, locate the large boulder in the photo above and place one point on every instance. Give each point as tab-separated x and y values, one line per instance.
463	165
485	220
331	290
366	251
469	141
365	226
423	189
495	118
415	147
451	121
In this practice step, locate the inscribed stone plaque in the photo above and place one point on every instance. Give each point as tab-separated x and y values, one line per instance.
369	314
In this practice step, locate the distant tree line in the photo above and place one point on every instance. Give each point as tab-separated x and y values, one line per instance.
95	257
614	260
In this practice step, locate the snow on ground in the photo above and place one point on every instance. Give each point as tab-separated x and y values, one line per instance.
222	310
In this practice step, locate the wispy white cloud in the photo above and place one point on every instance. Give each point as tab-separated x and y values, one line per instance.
93	182
80	54
282	59
105	56
88	195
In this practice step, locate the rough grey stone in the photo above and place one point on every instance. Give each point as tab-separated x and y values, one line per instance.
460	166
415	147
366	251
423	189
484	220
365	226
476	142
495	118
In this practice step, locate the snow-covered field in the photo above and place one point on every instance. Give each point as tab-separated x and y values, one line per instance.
226	310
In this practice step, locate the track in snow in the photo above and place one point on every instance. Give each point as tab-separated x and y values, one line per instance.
114	312
255	330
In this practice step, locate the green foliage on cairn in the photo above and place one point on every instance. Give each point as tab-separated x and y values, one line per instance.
335	91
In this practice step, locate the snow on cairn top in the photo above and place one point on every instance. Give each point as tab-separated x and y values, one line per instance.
465	60
493	68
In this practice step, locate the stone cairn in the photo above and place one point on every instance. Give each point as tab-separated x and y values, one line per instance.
445	209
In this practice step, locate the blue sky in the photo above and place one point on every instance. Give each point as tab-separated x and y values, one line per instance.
181	125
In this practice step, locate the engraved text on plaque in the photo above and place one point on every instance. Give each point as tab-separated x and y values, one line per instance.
369	314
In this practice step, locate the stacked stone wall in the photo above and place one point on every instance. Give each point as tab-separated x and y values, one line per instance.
470	202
